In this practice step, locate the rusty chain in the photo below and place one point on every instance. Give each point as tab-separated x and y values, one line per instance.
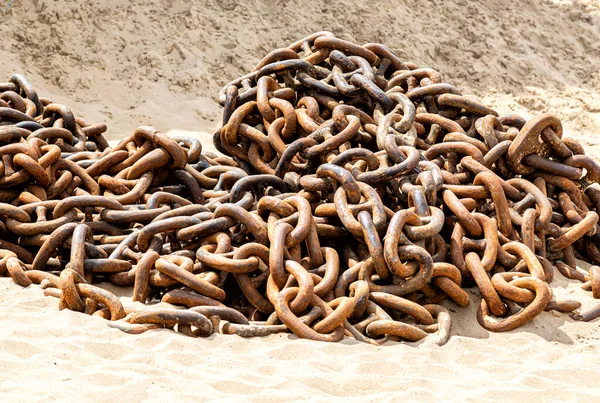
357	193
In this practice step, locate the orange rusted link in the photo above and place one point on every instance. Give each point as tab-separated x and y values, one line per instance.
104	297
70	297
223	313
15	270
534	266
57	237
330	42
501	283
342	309
305	287
542	297
553	167
588	315
85	201
176	152
432	225
197	284
417	281
594	273
252	330
590	165
189	299
166	225
479	169
564	306
447	277
545	209
528	142
252	222
462	213
373	243
444	322
394	328
132	328
80	233
392	240
172	317
490	296
142	276
402	305
296	325
469	104
377	210
574	233
344	178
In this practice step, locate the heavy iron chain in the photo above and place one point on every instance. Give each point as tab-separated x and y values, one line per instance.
359	192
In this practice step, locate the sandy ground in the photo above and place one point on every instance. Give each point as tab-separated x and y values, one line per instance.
50	355
131	63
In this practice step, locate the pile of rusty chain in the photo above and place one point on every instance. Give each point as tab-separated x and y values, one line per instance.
360	193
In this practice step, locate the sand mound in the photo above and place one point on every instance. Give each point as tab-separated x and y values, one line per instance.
162	62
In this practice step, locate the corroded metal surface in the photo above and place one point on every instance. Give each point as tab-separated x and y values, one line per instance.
357	194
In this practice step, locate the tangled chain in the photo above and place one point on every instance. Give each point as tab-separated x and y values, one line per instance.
359	192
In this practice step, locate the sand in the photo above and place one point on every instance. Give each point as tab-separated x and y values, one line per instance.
162	63
46	354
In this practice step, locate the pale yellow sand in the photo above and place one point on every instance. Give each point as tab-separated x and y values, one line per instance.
47	354
162	62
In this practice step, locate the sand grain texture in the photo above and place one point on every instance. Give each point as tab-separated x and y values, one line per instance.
47	354
162	63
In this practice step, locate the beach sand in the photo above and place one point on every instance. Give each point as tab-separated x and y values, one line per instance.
162	64
50	355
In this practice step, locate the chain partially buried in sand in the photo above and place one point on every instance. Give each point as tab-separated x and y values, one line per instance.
360	192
